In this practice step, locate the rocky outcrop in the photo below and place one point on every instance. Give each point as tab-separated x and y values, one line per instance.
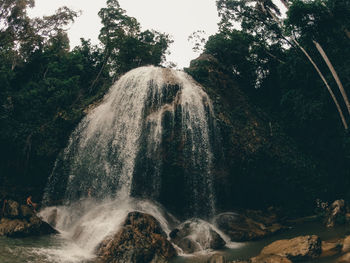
21	221
331	248
346	245
26	212
11	209
141	239
196	235
299	248
33	226
242	228
344	258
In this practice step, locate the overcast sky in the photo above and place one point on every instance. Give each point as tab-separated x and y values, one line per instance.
178	18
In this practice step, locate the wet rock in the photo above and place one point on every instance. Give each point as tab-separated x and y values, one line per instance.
331	248
336	211
241	228
344	259
299	248
188	245
26	211
195	235
24	228
141	239
11	209
9	227
346	244
270	259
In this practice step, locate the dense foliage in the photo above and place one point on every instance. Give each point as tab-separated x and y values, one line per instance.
268	57
276	59
45	86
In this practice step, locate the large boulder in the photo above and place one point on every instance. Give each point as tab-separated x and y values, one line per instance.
344	259
331	247
11	209
346	245
26	212
141	239
196	235
34	226
242	228
299	248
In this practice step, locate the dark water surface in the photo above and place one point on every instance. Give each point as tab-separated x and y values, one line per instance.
56	249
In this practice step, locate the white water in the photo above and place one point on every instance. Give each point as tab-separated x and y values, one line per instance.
86	223
103	152
104	148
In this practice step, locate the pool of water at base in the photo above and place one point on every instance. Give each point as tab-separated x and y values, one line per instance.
247	250
46	249
49	249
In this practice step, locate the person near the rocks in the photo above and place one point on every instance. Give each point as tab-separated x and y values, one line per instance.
89	192
31	204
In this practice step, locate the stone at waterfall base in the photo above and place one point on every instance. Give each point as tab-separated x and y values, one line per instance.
331	248
299	248
242	228
195	235
141	239
33	226
344	259
20	221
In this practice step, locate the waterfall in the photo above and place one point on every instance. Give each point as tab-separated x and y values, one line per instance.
147	146
122	147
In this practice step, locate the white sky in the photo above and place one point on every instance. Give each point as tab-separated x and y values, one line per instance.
179	18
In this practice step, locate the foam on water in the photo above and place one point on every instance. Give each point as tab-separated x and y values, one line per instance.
86	223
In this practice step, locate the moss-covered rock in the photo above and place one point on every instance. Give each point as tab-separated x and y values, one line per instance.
141	239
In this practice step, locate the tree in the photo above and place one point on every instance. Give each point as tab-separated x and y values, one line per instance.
304	18
260	18
125	45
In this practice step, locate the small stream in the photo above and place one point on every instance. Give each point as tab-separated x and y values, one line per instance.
58	249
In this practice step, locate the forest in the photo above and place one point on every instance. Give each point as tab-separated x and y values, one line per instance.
293	66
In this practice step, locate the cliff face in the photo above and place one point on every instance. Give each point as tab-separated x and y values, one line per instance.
260	165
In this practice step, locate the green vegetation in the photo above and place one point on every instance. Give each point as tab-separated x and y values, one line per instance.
45	86
278	62
294	67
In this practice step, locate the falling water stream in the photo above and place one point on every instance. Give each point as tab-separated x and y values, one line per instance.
146	107
117	160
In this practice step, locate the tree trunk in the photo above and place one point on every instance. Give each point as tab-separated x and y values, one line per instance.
325	82
318	71
334	73
101	70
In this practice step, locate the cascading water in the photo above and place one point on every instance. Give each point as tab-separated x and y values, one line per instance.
150	138
120	146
